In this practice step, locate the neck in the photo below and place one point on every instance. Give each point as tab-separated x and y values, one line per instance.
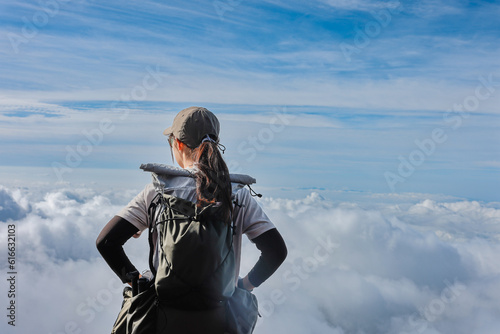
186	161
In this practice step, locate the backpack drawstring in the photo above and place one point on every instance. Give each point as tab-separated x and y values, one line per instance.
253	193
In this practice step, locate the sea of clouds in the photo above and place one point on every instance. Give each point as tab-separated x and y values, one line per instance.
405	265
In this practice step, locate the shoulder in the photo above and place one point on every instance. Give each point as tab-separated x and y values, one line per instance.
243	198
136	211
249	215
145	196
149	192
146	192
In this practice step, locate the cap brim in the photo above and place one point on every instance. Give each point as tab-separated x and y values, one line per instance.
167	131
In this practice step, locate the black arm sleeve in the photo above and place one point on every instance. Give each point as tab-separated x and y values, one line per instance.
273	253
110	244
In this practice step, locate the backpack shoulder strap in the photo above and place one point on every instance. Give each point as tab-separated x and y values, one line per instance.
154	212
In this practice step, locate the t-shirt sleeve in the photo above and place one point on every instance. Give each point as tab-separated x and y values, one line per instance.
250	215
136	211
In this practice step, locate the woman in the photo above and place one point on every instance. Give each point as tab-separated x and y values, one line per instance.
194	141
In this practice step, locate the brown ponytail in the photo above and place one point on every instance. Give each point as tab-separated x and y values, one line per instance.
212	178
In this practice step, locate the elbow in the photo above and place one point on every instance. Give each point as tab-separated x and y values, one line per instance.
100	244
282	253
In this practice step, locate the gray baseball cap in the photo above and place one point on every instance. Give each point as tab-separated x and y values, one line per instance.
192	124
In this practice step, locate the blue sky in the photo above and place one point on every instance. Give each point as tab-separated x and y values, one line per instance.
361	83
373	123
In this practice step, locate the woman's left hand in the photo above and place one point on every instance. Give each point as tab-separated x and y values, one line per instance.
244	283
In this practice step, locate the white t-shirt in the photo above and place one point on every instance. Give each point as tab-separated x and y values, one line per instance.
248	216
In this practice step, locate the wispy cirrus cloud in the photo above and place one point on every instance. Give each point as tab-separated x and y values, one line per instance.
95	50
361	5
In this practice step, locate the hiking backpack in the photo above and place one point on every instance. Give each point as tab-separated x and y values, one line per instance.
194	245
196	259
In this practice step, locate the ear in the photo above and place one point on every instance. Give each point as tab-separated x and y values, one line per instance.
180	144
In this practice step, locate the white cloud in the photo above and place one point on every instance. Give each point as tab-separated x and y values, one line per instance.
351	148
8	104
11	208
398	93
352	267
385	270
435	8
408	70
288	117
363	5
